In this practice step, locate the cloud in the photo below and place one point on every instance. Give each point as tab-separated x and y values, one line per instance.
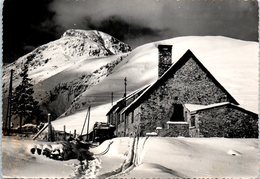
121	29
161	19
32	23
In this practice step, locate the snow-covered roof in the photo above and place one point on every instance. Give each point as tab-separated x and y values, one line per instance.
177	122
116	107
196	107
193	108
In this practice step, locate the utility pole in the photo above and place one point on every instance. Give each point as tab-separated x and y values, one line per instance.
84	123
88	123
64	134
125	89
87	118
125	106
49	138
9	105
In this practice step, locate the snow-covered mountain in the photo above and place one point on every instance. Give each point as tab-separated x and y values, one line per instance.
67	64
86	66
74	46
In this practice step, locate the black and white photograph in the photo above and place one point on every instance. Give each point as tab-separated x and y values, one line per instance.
130	89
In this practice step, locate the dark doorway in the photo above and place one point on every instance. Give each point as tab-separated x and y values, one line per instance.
177	113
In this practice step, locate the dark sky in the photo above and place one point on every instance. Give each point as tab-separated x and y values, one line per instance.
30	23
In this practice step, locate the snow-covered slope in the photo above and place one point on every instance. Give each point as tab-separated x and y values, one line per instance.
72	48
196	158
64	68
234	63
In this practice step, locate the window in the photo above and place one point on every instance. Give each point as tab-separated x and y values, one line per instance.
132	117
192	121
185	115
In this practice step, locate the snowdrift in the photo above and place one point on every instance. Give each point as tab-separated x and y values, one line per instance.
18	162
197	158
157	157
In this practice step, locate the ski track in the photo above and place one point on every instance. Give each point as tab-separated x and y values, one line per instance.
136	157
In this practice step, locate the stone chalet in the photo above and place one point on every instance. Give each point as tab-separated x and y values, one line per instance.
186	100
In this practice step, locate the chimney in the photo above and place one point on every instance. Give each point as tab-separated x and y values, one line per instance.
165	59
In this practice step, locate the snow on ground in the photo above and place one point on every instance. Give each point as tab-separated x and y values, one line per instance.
198	158
76	120
112	161
18	162
156	157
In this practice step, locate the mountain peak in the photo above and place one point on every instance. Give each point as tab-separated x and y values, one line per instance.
111	44
74	45
80	33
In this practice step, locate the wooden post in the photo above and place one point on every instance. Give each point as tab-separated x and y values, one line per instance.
49	138
84	123
74	134
93	135
125	90
64	130
124	117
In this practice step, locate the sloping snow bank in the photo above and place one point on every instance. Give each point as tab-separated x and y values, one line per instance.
198	158
76	120
112	161
18	162
155	157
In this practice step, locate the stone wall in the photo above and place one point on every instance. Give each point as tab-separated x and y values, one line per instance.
190	84
227	121
193	132
120	129
175	129
134	123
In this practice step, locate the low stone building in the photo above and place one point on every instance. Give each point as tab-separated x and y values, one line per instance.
186	100
229	120
115	116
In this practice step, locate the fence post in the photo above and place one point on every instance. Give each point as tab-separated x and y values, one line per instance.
74	134
49	138
64	129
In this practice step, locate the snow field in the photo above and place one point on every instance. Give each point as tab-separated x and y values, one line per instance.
155	157
19	162
198	158
113	160
76	120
